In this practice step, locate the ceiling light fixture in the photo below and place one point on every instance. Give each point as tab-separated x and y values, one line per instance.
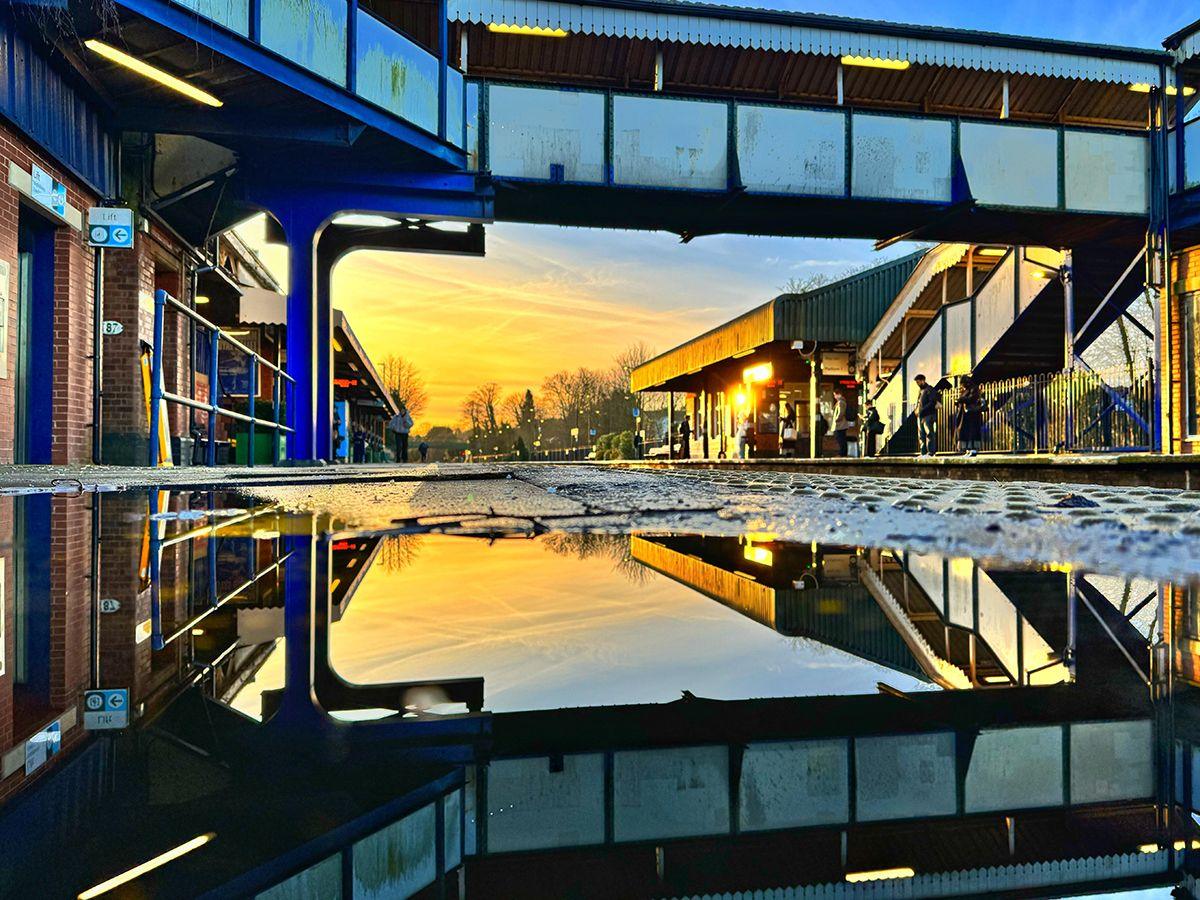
525	30
875	62
166	79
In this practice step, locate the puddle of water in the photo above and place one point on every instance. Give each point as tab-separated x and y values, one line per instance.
318	713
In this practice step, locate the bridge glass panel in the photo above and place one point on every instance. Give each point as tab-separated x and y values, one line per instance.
926	357
233	14
930	573
960	593
1191	153
681	792
1112	761
1107	172
453	838
792	151
1015	768
471	140
1010	165
532	131
310	33
531	807
999	624
322	880
793	784
905	776
1033	281
396	74
898	158
659	142
994	306
958	338
455	109
399	860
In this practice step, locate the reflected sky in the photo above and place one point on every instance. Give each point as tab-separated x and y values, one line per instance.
547	627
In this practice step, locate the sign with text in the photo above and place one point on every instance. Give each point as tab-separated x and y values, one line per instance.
42	746
107	708
110	226
48	192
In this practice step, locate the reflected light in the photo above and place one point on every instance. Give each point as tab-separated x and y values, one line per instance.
148	866
880	874
526	30
875	62
146	70
760	555
990	251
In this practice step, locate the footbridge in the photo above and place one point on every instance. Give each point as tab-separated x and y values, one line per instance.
634	114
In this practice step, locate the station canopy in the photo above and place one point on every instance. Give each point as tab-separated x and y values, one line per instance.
842	312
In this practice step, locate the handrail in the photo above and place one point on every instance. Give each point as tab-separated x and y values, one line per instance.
159	395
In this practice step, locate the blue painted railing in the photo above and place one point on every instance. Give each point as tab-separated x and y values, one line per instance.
158	394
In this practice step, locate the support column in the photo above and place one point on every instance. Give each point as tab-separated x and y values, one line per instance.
1067	275
813	412
309	368
670	424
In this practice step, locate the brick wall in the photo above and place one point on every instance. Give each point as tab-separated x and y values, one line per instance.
130	280
72	328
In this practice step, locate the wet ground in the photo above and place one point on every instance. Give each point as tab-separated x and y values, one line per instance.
560	681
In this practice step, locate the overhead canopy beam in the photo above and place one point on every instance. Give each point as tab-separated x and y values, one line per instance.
228	124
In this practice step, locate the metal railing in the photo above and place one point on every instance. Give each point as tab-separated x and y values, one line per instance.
1075	411
158	394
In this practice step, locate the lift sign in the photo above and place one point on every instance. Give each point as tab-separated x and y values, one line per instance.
110	226
108	708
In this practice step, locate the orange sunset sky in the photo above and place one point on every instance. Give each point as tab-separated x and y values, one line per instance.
545	299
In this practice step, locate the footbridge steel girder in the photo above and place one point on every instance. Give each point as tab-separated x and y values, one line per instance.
306	210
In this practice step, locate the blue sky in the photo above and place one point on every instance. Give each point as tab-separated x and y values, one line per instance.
548	298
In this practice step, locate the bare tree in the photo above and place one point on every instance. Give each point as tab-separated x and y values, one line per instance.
405	381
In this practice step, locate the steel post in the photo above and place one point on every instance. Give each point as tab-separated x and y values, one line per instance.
253	393
214	395
156	368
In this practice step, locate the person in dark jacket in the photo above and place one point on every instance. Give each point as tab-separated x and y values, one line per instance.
685	437
928	400
970	417
872	427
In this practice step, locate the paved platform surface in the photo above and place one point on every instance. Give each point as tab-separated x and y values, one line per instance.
1146	532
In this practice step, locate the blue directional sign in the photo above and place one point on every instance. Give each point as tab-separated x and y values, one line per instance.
110	226
108	708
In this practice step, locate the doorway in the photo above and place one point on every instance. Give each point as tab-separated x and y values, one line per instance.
35	339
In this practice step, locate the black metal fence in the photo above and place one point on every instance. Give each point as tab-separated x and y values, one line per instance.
1080	410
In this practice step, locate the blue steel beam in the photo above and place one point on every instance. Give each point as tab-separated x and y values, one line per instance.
257	58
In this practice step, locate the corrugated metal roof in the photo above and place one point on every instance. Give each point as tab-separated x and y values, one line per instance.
824	35
842	312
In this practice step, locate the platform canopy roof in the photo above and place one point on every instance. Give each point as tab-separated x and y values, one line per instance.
842	312
766	29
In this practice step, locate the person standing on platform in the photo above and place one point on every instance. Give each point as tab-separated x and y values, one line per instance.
872	427
840	423
970	417
928	401
400	425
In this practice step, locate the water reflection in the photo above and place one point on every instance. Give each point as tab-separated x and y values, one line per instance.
325	714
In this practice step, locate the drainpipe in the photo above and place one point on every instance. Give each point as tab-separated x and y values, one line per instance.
97	355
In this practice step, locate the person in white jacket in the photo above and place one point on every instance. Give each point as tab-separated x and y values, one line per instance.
400	425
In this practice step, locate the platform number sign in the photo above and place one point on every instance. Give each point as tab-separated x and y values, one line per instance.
108	708
110	226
